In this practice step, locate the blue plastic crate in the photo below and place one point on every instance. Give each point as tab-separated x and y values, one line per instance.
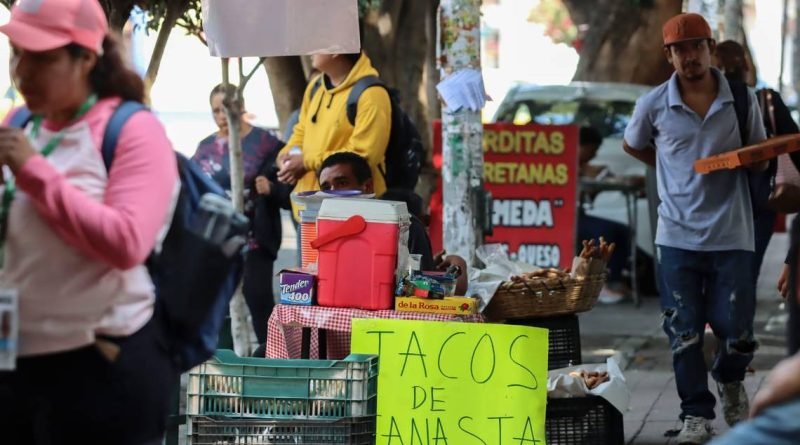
230	386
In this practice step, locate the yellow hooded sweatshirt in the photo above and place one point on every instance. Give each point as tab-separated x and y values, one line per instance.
323	128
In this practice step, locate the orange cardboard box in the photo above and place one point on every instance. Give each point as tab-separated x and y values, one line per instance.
762	151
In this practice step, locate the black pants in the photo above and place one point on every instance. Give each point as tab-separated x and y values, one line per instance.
793	327
257	289
81	396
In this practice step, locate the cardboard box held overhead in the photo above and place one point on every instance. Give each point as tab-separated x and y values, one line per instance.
762	151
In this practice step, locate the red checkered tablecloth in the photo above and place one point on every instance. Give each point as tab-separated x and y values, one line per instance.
284	331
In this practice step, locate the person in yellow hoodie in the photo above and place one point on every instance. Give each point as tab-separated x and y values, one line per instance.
323	127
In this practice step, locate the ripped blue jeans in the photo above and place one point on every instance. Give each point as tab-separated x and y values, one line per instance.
699	288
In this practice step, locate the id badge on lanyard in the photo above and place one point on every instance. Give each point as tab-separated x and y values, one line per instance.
9	328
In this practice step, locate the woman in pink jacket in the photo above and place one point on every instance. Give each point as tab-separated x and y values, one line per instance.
90	367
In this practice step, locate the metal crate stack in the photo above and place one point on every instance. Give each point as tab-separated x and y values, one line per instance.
243	400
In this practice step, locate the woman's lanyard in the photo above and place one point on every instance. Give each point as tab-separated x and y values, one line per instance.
10	185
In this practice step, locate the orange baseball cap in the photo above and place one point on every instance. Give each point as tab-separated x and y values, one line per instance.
687	26
42	25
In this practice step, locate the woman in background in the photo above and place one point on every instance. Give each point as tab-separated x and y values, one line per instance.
264	197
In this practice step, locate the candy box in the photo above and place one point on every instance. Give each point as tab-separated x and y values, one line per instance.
297	287
447	305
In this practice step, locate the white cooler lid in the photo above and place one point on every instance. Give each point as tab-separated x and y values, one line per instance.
374	210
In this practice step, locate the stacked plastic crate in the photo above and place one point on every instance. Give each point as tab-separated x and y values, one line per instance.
238	400
581	420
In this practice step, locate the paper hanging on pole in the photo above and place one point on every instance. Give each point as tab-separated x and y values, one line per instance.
463	89
265	28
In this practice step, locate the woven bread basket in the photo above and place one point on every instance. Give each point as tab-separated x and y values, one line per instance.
545	297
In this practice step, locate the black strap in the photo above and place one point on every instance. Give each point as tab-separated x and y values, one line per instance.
315	87
352	99
121	114
741	104
20	118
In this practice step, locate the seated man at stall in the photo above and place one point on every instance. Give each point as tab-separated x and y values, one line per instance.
593	227
349	171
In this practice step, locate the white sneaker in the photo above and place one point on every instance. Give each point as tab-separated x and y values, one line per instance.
608	296
735	405
695	431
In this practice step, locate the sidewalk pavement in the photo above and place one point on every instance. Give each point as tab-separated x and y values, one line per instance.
634	337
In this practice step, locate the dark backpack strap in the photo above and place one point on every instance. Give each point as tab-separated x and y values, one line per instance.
352	99
315	87
121	114
20	118
741	104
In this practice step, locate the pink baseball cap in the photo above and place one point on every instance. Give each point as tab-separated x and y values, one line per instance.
42	25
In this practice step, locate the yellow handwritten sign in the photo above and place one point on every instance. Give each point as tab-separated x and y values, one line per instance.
456	383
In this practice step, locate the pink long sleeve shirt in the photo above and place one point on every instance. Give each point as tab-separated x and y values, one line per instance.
78	236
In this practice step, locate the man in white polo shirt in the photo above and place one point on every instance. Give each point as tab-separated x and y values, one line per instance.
705	238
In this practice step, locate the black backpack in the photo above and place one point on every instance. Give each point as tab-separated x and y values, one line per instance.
404	152
761	183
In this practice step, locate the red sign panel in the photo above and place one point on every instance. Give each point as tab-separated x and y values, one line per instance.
532	173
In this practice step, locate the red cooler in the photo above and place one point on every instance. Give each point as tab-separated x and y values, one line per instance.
362	245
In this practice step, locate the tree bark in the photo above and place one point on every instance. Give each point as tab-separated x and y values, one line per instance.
287	81
241	329
623	42
734	26
796	49
432	76
117	12
175	9
430	101
396	38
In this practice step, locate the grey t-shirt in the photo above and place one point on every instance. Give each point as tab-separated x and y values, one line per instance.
710	212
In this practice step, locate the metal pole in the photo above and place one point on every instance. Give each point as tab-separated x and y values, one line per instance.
462	131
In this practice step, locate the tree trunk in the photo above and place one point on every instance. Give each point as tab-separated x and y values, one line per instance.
734	26
432	76
117	12
175	9
396	38
241	329
796	49
287	81
623	42
430	101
